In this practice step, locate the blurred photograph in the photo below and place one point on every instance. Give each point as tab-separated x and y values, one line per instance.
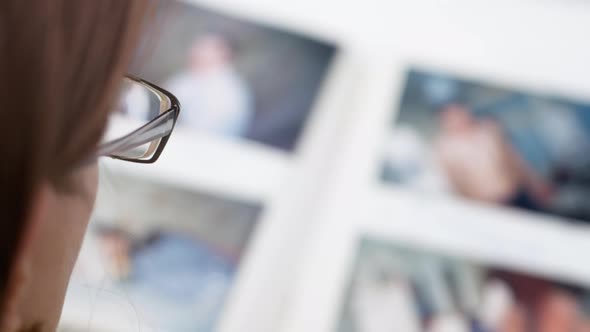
400	288
172	254
234	78
490	144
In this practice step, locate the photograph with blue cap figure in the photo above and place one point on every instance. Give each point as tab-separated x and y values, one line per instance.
490	144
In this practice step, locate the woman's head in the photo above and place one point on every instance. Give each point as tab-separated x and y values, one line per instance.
61	63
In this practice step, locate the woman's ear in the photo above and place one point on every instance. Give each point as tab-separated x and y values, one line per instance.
21	272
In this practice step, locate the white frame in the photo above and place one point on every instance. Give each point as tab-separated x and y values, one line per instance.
467	40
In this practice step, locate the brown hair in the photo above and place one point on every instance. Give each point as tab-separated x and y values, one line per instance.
61	62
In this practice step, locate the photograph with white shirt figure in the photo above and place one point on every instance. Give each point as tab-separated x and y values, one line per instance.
491	144
236	78
397	287
214	96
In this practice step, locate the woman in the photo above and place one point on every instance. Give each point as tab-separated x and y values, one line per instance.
61	67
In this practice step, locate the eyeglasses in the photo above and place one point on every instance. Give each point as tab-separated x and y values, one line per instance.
140	126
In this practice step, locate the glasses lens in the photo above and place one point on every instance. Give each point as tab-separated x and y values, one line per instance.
137	106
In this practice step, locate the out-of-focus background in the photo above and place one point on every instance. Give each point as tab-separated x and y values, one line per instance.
352	166
269	80
492	144
401	288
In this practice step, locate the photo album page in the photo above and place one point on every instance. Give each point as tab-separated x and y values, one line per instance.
411	167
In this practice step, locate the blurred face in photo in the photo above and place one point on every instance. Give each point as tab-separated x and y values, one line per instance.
456	118
209	53
559	312
514	320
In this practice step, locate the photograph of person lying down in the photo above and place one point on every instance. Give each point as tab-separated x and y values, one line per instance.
402	288
490	144
171	253
234	78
